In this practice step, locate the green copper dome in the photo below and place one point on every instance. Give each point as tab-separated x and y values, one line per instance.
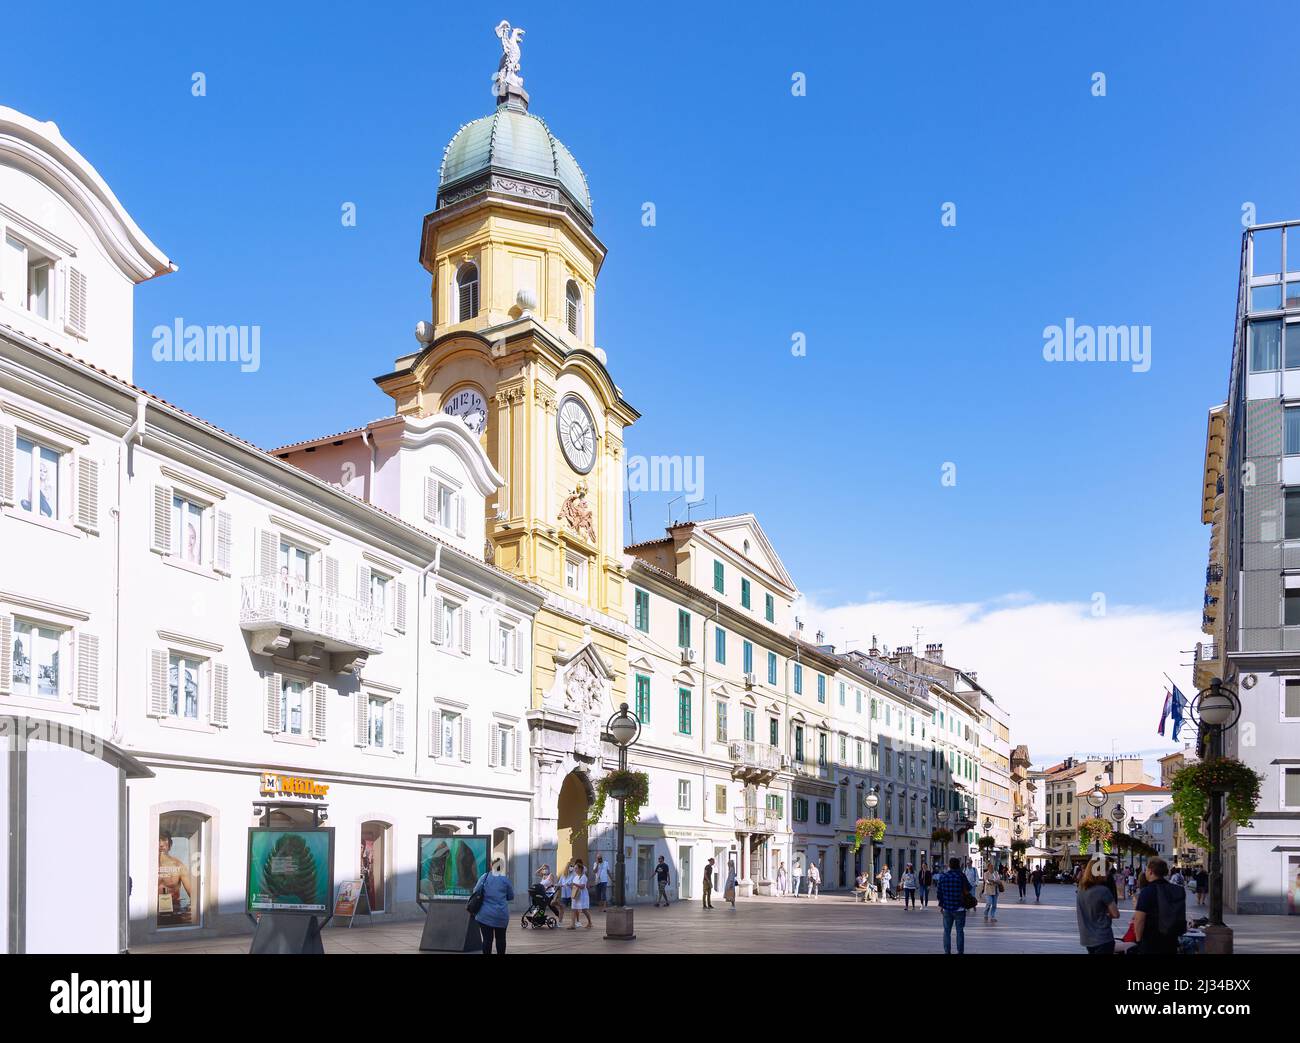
511	141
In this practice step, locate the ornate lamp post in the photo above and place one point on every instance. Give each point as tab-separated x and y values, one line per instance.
1133	827
1096	799
941	816
1218	708
872	801
1117	814
624	728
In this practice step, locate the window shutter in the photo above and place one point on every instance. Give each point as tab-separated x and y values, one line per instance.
319	705
435	739
460	514
465	623
331	575
399	609
430	499
517	742
219	707
87	671
493	731
271	716
75	320
518	663
363	584
437	620
8	448
222	560
158	664
399	728
162	519
88	494
464	738
361	719
267	549
494	636
6	653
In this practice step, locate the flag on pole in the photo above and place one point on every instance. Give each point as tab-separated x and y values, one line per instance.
1178	710
1164	714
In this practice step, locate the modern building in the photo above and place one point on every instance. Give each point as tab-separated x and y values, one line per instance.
1252	600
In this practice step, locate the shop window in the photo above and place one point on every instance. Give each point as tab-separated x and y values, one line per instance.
180	869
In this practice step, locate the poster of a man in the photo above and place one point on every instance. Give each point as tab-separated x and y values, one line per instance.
176	897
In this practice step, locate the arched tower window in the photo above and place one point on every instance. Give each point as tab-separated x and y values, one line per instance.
466	291
573	308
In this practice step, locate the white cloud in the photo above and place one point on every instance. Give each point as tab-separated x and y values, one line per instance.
1073	682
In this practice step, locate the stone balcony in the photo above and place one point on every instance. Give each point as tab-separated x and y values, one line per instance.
755	761
757	820
322	629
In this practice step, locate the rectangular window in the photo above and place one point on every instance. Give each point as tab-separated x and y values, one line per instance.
1291	341
27	277
683	794
747	657
773	732
857	699
641	611
744	593
377	723
771	668
776	804
875	757
36	660
798	679
841	693
1291	530
821	749
293	708
449	742
823	813
1291	607
798	743
720	721
683	628
451	634
720	645
643	698
821	688
800	809
718	583
1291	700
379	595
844	750
749	724
183	678
859	753
720	799
503	738
1265	346
187	530
1291	788
506	646
684	711
769	608
575	575
37	470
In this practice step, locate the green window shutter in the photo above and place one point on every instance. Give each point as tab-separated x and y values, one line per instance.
821	688
773	734
720	646
643	698
744	593
683	628
684	711
748	656
770	607
718	584
642	611
798	679
771	668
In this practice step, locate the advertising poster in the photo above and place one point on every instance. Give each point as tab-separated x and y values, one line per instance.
290	870
451	866
348	897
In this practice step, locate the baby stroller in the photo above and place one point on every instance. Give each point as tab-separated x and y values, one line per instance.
539	911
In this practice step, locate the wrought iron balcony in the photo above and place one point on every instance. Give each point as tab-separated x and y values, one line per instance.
758	820
755	759
1207	652
291	618
1214	572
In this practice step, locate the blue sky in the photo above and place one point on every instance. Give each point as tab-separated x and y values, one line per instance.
776	214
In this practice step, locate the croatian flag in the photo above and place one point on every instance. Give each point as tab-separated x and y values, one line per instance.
1179	710
1164	714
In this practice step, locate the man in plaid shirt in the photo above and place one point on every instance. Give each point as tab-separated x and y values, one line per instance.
949	889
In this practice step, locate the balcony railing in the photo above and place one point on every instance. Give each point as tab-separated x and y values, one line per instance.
1214	573
758	820
756	757
1207	652
307	613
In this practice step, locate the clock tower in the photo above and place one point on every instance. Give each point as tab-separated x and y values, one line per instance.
510	348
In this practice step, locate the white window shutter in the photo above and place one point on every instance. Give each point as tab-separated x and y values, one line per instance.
399	728
494	636
437	620
464	738
460	513
159	661
6	654
518	664
271	716
435	738
268	548
221	561
430	500
361	719
87	494
162	520
319	704
466	622
492	744
87	646
331	571
219	704
399	609
517	743
363	584
75	320
8	449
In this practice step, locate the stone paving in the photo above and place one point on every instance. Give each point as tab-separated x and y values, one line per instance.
832	923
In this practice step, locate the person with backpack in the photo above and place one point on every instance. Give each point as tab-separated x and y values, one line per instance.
1095	908
1161	916
952	892
489	904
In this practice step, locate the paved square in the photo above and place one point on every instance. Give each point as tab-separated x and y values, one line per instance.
833	923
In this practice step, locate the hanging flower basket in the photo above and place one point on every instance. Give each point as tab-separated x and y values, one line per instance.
867	829
1019	847
1093	829
632	787
986	843
1193	785
941	836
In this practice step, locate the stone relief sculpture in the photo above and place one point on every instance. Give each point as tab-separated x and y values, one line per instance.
575	512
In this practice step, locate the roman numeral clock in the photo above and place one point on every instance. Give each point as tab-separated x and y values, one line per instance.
577	434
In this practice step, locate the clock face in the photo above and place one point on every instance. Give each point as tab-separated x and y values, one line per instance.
468	404
577	434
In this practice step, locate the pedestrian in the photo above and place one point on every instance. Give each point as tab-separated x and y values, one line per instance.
708	885
580	895
796	877
909	888
566	888
1202	885
991	888
814	879
886	883
729	891
1176	878
601	873
782	881
1161	916
953	895
1022	879
926	880
972	876
1037	878
493	916
661	881
1095	908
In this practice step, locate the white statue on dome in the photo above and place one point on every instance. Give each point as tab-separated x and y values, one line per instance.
508	70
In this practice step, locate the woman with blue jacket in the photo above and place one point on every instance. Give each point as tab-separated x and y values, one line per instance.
493	916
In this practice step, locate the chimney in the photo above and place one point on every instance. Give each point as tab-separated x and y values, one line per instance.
875	651
798	624
934	653
821	638
972	674
903	650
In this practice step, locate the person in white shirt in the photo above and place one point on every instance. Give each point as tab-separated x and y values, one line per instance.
972	876
796	877
601	872
566	886
782	881
814	879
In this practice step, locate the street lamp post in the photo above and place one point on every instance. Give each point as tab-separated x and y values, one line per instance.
1218	708
624	728
988	833
1096	799
1133	827
941	816
1117	813
872	800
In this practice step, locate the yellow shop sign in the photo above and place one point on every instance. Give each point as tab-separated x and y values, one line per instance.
277	785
